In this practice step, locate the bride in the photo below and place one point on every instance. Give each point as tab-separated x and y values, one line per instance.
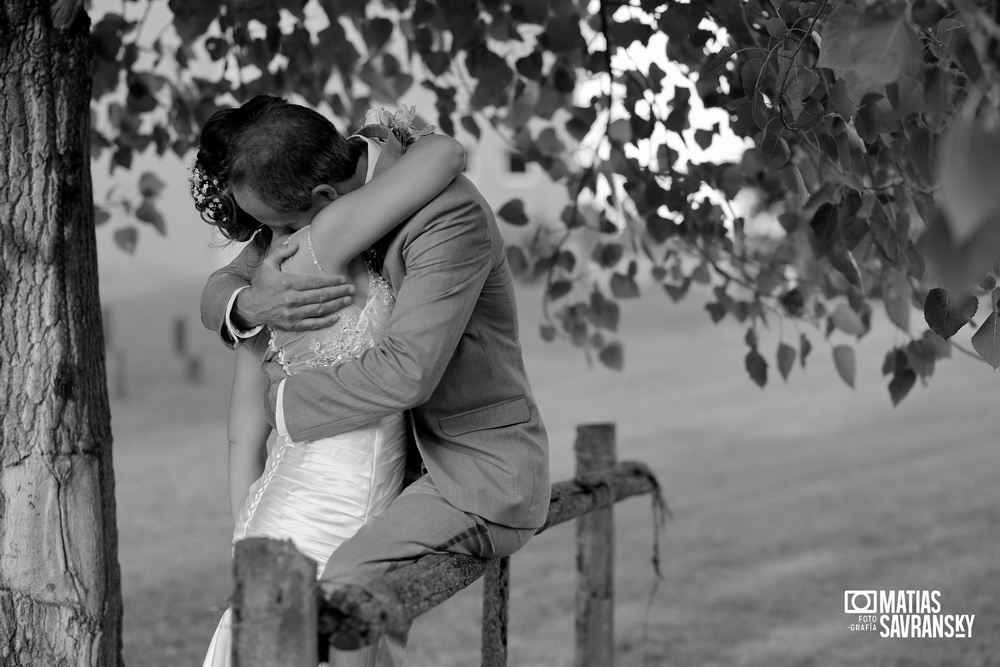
316	493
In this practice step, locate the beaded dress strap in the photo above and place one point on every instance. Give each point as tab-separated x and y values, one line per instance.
309	242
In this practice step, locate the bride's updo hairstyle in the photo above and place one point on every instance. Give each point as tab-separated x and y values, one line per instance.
210	182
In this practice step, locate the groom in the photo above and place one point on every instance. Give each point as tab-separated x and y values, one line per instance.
451	357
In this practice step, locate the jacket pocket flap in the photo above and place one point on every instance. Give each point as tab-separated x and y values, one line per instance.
505	413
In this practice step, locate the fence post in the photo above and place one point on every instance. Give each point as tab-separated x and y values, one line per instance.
274	608
496	605
595	450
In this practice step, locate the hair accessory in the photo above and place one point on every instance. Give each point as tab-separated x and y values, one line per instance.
205	191
400	123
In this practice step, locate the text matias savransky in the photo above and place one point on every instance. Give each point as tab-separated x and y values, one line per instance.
905	614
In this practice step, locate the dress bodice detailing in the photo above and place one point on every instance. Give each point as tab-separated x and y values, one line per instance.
348	338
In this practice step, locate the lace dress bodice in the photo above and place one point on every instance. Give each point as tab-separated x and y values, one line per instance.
357	330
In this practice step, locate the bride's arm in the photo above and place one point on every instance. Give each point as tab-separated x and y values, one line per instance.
248	428
351	223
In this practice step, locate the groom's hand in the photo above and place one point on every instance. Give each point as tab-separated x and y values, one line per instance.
289	301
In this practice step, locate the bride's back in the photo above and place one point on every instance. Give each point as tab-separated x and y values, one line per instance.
358	328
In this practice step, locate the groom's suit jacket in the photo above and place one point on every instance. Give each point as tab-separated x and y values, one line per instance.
450	355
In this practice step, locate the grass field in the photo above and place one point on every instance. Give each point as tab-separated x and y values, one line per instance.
781	500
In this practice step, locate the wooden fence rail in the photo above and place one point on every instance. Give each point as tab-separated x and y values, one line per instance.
279	611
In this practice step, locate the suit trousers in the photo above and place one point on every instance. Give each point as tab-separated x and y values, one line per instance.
417	523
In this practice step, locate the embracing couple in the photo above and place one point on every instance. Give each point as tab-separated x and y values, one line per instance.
425	356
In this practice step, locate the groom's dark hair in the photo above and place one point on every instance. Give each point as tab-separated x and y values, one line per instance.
285	150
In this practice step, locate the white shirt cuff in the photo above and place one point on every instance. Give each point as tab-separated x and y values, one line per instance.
235	331
279	411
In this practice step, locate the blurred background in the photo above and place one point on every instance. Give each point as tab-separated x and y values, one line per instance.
781	498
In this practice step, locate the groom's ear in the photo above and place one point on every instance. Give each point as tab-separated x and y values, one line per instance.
323	194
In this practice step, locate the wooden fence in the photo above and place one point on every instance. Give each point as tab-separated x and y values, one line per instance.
280	616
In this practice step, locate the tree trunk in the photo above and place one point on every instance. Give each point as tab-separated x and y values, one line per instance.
60	589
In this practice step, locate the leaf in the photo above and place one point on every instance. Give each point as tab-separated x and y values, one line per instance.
805	347
612	356
945	314
608	254
716	311
896	293
516	260
661	228
841	102
702	274
922	357
717	62
811	116
603	313
901	384
494	79
966	172
848	321
548	332
470	125
843	260
126	238
776	27
786	359
772	150
825	229
624	287
513	212
530	66
877	51
560	288
378	32
756	366
986	341
941	347
800	83
843	360
791	178
677	292
793	302
147	213
620	130
150	185
101	215
704	138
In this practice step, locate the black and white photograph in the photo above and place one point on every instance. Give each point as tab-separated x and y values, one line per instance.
499	333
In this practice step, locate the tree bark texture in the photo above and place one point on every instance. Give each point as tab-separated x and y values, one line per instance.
60	597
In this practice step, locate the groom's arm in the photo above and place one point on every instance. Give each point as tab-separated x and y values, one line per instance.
251	292
447	264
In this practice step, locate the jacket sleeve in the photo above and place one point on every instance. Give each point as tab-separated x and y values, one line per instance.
219	289
447	258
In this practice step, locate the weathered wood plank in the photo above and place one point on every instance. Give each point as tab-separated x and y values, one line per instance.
274	608
595	538
496	607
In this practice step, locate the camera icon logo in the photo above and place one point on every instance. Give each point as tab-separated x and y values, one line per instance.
860	602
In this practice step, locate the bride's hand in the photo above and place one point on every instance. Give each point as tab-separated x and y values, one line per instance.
290	301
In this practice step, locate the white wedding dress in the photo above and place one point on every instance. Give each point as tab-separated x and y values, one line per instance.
320	493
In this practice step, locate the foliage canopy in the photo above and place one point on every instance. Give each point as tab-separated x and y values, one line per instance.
873	134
